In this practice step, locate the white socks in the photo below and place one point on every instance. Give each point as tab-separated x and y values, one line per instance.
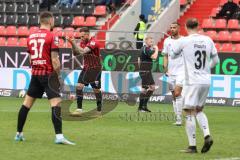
59	136
191	129
179	105
203	123
174	107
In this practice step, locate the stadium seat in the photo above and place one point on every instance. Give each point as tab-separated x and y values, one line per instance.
100	11
86	1
33	29
22	20
2	19
237	48
224	36
78	21
22	42
11	19
58	31
220	24
66	10
10	8
90	21
89	10
23	31
10	1
2	30
222	2
58	20
55	9
68	45
218	46
69	31
233	24
33	20
11	31
2	7
67	21
61	43
207	23
33	8
183	2
214	12
2	41
12	41
22	8
235	36
78	10
212	34
227	47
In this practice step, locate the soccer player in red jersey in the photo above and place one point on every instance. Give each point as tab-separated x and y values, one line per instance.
92	68
43	50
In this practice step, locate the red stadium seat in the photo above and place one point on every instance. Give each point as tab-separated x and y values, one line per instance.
236	1
68	45
207	23
61	43
58	31
11	31
2	31
33	29
224	36
12	41
222	2
233	24
69	31
23	31
2	41
237	48
220	24
22	42
218	46
235	36
183	2
212	34
78	21
90	21
214	12
100	11
227	47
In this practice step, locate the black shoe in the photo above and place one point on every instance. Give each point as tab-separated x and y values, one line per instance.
147	110
208	142
141	109
190	149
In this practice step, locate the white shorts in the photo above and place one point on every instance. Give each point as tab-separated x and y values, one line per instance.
195	95
175	80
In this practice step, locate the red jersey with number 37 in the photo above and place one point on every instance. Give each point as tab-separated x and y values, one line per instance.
40	44
91	59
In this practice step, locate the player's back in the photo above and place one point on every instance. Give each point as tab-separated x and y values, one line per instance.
197	52
40	44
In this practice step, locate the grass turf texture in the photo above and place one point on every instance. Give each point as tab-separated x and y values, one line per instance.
111	137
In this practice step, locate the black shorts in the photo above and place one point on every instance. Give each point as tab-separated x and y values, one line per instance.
147	78
92	77
41	84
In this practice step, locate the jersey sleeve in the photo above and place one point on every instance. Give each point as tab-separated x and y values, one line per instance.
164	51
55	43
92	45
213	49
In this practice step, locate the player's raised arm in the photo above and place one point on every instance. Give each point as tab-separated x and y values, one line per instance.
155	54
77	50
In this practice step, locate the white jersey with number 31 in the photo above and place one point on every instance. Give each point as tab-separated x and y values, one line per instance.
197	51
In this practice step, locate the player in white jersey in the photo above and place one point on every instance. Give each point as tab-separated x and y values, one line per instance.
199	56
174	69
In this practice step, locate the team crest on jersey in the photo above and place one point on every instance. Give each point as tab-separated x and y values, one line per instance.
92	43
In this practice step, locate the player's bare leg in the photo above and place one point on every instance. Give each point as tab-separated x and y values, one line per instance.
22	116
79	96
57	121
191	131
178	104
203	123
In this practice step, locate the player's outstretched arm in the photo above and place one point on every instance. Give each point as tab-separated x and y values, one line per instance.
77	50
155	54
55	62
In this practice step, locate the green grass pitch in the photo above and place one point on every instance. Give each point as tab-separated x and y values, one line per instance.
113	138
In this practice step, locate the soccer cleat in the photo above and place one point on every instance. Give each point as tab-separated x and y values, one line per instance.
208	142
141	110
63	141
19	137
147	110
190	149
77	112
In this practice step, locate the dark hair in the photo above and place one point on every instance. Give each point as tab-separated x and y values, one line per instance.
192	23
45	16
176	23
84	29
142	17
